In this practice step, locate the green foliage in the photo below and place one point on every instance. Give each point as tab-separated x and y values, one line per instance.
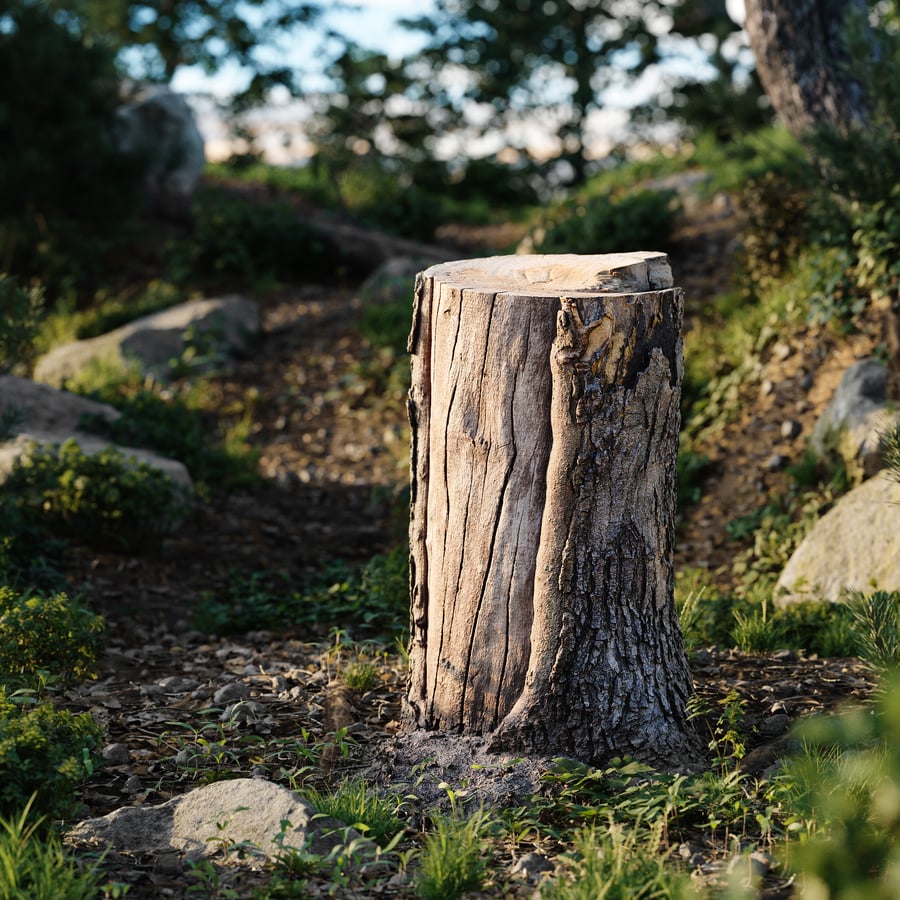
640	220
102	499
453	858
890	450
691	469
841	796
19	322
876	618
43	751
174	426
354	804
613	863
876	242
239	240
53	634
374	599
34	865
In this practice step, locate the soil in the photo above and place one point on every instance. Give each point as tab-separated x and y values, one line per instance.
333	458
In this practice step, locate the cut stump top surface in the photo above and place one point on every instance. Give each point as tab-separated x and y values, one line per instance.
559	274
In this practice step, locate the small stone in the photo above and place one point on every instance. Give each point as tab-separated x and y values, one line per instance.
766	388
806	382
775	725
133	785
116	754
790	429
237	690
775	462
243	711
530	866
781	351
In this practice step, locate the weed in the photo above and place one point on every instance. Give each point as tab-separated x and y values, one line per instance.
374	599
755	633
355	805
876	618
34	865
614	863
361	676
22	309
453	858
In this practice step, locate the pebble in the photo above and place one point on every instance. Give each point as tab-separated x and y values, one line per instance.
766	388
133	785
775	725
243	711
237	690
530	866
790	429
776	461
116	754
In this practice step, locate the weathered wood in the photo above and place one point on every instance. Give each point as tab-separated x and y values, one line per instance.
545	416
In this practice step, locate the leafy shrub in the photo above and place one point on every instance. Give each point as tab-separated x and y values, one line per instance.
170	426
19	322
44	752
235	238
609	223
55	634
102	499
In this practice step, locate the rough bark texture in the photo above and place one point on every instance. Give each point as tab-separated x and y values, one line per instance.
545	417
801	60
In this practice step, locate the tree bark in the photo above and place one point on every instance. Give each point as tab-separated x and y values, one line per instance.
802	61
545	417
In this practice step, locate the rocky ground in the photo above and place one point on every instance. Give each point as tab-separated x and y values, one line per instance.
333	457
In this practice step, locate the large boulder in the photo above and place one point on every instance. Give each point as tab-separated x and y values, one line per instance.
259	816
854	546
221	325
47	416
159	125
855	419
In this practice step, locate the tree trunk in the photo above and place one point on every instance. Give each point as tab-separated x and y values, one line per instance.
802	61
545	418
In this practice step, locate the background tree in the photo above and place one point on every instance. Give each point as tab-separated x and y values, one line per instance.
729	103
517	58
153	39
803	61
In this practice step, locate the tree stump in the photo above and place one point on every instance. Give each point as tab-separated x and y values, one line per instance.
545	416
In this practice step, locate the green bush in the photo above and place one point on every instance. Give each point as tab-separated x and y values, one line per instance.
609	223
44	752
238	239
53	634
102	500
171	427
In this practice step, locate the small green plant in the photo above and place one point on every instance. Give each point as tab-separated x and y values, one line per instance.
876	618
841	796
755	633
44	752
34	865
102	499
361	676
354	804
453	858
54	634
614	863
373	599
